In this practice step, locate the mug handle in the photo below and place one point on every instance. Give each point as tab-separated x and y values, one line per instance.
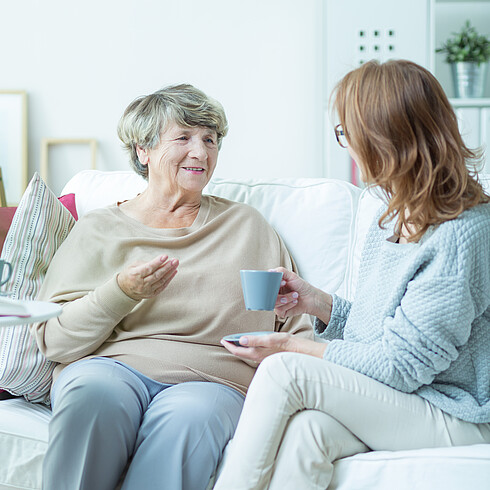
9	273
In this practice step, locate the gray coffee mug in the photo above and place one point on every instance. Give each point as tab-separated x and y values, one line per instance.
4	264
260	289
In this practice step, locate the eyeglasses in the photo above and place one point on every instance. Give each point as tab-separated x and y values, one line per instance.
340	135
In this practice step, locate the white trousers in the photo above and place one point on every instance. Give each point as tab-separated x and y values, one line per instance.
302	413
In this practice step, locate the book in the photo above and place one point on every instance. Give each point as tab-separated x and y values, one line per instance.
13	307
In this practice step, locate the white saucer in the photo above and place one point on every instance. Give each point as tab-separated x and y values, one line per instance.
235	337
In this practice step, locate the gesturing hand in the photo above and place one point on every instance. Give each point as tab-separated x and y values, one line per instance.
147	279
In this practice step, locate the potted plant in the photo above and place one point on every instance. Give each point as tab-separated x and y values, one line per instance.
468	53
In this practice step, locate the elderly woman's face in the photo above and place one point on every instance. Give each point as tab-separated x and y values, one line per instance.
185	158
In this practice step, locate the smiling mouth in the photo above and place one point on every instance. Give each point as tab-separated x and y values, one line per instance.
197	170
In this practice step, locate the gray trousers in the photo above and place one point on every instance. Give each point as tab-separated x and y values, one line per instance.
108	418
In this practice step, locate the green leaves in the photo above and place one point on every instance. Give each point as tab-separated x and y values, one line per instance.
466	45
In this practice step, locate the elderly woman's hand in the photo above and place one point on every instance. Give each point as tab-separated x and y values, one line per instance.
257	347
147	279
296	296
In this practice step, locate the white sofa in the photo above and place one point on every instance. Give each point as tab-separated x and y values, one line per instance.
323	222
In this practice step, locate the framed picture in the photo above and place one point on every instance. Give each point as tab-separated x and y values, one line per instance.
13	144
51	170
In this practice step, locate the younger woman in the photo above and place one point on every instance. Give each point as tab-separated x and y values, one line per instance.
406	364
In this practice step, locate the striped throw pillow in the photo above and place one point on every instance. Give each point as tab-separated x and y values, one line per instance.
38	228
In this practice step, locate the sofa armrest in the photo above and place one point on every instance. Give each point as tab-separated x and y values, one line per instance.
6	215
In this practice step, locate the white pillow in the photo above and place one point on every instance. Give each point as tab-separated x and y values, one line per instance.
315	218
38	228
95	189
369	203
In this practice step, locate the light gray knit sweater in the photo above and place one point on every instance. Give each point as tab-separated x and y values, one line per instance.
420	320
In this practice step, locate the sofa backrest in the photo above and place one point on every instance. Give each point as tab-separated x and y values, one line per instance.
95	188
369	202
323	222
315	217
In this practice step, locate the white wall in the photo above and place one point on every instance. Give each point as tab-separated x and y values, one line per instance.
82	63
269	62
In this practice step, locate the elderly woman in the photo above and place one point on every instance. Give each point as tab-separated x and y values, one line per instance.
149	286
405	364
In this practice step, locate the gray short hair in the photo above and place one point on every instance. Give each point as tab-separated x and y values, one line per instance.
147	116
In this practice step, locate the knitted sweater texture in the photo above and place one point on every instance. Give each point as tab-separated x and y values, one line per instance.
420	319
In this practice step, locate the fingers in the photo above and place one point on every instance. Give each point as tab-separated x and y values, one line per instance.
279	269
164	273
289	300
285	303
145	280
272	340
257	348
287	275
256	340
245	353
147	269
165	283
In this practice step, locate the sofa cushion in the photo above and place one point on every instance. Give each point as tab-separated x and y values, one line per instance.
448	468
68	200
23	443
302	212
95	188
370	202
39	226
6	216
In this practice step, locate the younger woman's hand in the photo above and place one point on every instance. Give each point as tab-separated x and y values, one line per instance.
297	296
147	279
256	348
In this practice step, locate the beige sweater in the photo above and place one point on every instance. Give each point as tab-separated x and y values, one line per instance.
175	336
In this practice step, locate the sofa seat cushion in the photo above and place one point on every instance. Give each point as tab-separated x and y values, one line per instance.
23	443
24	436
450	468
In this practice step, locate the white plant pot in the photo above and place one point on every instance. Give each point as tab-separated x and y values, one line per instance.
469	79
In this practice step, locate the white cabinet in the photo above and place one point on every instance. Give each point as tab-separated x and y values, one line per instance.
473	114
474	124
358	30
449	17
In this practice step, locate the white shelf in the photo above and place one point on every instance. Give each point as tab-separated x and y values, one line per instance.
484	102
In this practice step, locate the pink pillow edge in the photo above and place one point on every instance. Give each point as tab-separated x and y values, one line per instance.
68	200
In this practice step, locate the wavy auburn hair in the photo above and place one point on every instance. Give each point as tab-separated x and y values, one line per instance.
398	120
